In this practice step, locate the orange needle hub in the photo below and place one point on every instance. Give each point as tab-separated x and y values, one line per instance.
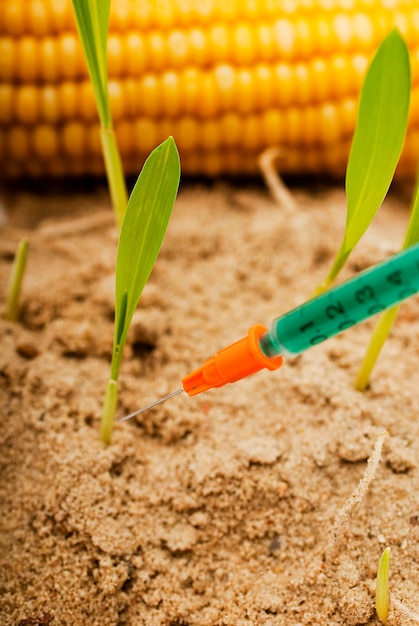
240	359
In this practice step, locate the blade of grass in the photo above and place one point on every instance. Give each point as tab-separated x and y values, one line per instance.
386	319
15	283
142	233
377	143
92	19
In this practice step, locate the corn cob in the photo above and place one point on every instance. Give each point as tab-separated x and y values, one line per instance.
227	78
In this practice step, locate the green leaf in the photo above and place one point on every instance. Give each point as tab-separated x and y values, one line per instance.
378	141
92	19
379	136
142	233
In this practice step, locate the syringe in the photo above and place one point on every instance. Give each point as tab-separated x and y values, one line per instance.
378	288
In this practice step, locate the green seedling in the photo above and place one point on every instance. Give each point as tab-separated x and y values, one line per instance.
145	218
92	19
143	229
377	144
382	596
15	283
400	613
387	318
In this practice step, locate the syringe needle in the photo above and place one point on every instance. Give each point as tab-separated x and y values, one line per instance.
150	406
378	288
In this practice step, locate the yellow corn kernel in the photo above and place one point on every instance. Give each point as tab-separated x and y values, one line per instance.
265	42
282	80
68	99
318	77
72	61
6	104
44	144
209	135
309	119
220	43
27	104
132	100
74	140
348	112
191	94
245	94
285	36
178	48
126	140
134	56
208	103
116	100
50	64
198	47
93	143
292	127
251	137
38	18
272	127
12	17
263	86
230	129
61	16
225	86
152	104
305	41
329	124
244	44
28	59
17	144
303	87
48	104
147	132
187	132
116	56
323	33
156	52
8	54
171	94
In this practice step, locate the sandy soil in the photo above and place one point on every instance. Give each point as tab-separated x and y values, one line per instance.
218	509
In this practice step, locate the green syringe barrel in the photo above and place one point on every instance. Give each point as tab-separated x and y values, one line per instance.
374	290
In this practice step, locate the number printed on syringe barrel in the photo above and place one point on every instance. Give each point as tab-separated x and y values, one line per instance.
378	288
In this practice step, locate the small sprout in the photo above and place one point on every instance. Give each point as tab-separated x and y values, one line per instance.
382	596
142	233
92	19
15	283
377	143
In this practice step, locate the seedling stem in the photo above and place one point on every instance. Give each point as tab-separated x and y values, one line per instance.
16	278
109	408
